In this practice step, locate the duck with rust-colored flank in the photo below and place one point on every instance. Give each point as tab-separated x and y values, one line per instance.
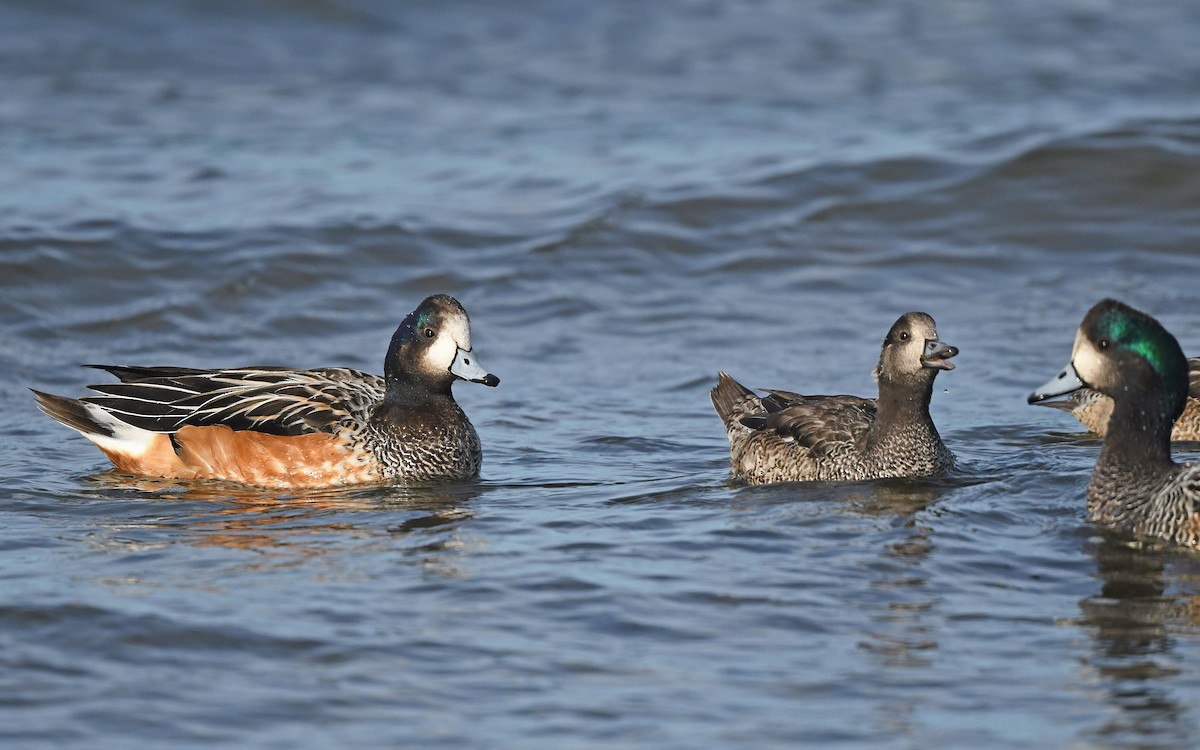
1129	357
786	437
284	428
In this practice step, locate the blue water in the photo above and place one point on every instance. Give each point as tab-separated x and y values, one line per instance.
626	198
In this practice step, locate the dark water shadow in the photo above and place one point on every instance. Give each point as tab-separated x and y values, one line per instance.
1149	600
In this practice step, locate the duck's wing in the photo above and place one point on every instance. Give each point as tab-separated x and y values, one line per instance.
779	400
272	400
823	424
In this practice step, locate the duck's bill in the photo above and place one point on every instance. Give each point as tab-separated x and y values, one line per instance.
1067	404
1066	381
465	367
938	354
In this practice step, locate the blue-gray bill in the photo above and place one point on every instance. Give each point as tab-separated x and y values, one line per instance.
1066	381
936	355
465	367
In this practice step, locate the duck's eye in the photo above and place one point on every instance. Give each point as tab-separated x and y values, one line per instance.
1103	344
428	333
904	335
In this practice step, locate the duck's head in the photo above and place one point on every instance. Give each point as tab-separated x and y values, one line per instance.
433	346
912	350
1123	353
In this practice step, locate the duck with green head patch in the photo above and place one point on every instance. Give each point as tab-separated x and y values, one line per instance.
285	428
1129	357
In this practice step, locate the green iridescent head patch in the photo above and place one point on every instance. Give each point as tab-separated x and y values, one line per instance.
410	328
1137	332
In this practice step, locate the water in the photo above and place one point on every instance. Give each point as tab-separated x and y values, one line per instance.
626	198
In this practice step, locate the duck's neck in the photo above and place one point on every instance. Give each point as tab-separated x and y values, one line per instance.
1138	439
1134	468
904	403
403	389
902	425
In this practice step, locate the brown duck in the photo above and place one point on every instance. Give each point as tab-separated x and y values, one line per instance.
786	437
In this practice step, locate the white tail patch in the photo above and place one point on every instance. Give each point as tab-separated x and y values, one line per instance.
126	439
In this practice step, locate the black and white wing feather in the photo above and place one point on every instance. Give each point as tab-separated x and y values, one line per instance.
273	400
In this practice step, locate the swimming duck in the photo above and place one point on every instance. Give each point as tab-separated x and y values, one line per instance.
1128	356
786	437
1093	408
283	428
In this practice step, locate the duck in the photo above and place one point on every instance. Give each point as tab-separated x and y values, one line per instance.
1093	408
284	428
787	437
1136	487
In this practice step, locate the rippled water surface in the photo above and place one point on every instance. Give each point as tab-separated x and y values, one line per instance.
627	197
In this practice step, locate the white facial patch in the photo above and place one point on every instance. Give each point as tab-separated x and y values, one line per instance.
459	329
455	334
1088	362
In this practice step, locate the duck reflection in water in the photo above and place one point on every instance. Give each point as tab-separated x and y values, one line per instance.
285	529
1134	620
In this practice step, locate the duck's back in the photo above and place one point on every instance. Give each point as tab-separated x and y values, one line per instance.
786	437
